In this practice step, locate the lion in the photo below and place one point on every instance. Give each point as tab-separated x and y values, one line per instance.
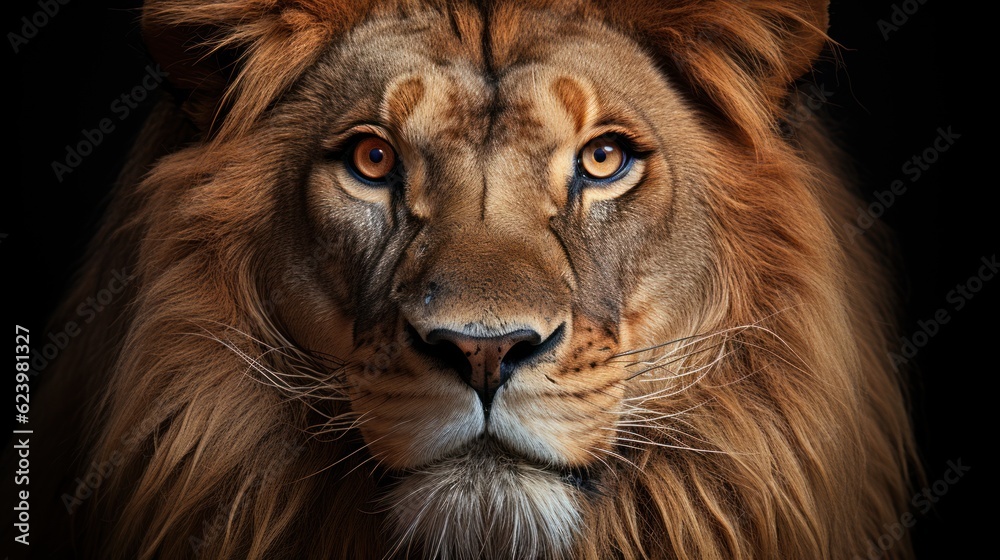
452	280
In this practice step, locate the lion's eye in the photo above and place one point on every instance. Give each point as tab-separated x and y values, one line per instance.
604	158
372	159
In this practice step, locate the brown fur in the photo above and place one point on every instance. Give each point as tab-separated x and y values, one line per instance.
256	392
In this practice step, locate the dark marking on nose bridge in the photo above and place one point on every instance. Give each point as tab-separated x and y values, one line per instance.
482	204
492	114
492	80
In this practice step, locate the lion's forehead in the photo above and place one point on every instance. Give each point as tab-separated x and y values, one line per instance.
524	85
472	112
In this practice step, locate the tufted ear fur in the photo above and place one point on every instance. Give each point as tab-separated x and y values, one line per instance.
237	56
742	55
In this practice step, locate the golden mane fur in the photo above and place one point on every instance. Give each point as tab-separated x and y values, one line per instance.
202	404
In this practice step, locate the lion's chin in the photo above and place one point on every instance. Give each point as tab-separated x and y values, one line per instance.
484	502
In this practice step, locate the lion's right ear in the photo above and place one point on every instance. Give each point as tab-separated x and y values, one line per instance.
230	59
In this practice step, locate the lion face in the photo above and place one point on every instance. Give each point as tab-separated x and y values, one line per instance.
492	236
490	275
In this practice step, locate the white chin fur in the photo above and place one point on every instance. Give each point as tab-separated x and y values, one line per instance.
483	505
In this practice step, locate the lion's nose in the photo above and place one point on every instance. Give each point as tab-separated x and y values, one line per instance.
486	363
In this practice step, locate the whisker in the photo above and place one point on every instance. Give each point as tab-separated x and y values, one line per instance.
305	381
341	460
657	395
602	461
620	457
661	415
665	430
647	370
656	346
678	349
705	335
668	446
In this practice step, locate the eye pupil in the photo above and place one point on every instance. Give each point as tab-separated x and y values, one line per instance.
600	156
376	155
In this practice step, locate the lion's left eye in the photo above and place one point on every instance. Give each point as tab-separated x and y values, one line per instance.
604	158
372	159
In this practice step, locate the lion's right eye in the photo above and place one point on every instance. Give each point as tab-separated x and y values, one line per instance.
372	159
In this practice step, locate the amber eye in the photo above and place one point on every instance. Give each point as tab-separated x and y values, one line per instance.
373	158
603	158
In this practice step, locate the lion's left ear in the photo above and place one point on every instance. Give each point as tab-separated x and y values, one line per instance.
742	55
235	57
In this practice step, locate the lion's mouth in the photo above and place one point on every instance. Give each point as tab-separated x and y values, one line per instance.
488	454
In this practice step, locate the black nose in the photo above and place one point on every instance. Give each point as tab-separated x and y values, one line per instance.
486	363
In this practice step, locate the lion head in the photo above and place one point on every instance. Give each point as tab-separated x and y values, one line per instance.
453	280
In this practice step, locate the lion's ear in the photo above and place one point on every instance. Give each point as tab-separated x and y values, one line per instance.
740	54
235	57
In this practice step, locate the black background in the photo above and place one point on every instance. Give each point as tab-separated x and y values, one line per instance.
887	100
